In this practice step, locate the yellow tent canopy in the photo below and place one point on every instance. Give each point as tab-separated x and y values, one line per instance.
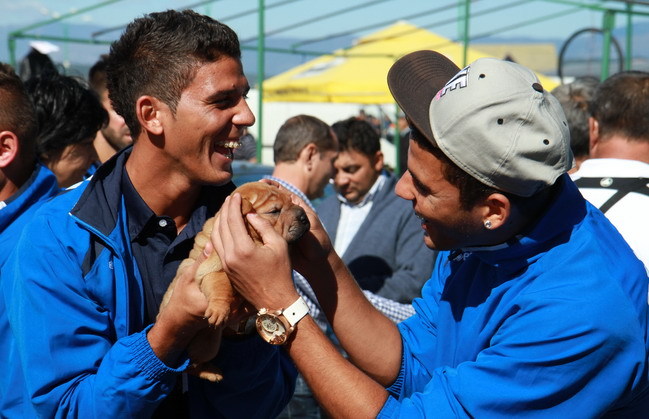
358	74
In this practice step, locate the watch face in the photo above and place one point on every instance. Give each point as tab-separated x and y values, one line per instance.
271	329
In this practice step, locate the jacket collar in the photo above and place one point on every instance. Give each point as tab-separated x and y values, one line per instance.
41	185
553	227
101	201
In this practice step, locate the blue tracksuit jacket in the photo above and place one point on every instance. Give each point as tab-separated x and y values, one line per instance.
550	325
21	206
40	186
75	304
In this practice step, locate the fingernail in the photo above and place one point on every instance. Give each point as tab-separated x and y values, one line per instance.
207	250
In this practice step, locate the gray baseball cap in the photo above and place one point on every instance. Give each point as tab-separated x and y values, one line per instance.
493	119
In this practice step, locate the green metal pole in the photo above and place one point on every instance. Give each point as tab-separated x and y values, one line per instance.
20	33
607	28
628	57
464	10
260	78
12	50
396	142
66	49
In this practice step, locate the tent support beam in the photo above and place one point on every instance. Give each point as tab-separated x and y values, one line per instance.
608	25
628	57
261	74
463	21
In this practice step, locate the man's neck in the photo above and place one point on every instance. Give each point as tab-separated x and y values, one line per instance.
104	149
7	188
616	147
13	177
293	174
164	191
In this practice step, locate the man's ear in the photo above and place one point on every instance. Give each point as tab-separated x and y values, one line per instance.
9	148
593	134
149	112
377	161
497	209
308	155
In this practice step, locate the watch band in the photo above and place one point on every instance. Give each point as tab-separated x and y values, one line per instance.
296	311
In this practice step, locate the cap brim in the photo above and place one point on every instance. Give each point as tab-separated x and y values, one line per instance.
414	80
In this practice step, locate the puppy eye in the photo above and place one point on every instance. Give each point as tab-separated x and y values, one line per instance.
274	211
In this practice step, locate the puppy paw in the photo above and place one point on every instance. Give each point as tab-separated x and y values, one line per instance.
216	314
206	371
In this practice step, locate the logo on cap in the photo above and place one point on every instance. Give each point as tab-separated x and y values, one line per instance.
459	81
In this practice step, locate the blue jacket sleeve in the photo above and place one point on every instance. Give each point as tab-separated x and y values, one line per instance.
77	360
553	355
71	359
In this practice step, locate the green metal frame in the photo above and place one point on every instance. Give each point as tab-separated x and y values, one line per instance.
608	9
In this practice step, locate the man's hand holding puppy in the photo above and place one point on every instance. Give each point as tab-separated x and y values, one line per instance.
262	274
267	268
179	320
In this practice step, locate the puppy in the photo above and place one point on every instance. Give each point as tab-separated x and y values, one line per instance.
271	203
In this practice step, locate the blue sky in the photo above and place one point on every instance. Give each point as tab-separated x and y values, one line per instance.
24	12
308	19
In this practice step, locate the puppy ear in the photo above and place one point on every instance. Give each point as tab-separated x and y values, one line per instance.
246	206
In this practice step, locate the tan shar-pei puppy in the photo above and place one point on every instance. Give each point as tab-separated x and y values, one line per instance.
273	204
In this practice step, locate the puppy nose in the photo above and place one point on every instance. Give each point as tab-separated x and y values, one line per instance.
303	219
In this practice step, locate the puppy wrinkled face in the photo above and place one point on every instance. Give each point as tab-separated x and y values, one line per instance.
274	204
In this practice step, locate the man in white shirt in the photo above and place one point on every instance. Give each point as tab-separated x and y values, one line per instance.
616	176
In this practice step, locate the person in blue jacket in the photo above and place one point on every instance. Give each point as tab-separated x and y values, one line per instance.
536	308
24	182
24	185
84	284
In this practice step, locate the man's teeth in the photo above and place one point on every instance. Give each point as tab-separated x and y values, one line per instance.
230	144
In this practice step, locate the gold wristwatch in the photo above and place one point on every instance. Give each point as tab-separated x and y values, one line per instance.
276	326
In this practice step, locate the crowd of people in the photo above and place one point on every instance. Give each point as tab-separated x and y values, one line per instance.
476	282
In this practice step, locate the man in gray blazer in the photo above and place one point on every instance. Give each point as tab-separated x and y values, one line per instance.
377	233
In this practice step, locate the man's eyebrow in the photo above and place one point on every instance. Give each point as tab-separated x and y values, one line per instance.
229	92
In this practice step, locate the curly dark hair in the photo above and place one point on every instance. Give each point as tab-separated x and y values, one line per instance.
67	112
158	55
358	135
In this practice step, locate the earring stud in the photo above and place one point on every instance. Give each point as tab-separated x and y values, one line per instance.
487	224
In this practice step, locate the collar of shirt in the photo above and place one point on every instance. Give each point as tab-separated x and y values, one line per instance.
139	213
353	215
292	189
611	167
142	221
369	197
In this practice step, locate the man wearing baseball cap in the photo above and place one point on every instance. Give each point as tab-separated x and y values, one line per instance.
537	306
